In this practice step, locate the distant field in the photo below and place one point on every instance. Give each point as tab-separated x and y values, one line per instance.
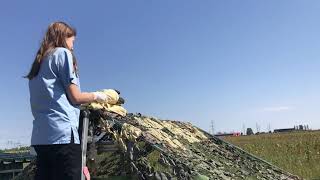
298	152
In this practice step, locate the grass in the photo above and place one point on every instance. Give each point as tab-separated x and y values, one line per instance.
296	152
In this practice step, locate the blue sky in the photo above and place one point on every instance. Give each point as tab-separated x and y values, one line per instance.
237	63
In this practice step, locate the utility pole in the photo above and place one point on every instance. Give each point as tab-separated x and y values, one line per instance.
9	144
243	129
269	128
257	128
212	127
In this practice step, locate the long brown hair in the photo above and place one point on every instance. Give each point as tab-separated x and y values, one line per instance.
55	37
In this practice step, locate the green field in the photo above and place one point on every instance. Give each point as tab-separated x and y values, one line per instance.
296	152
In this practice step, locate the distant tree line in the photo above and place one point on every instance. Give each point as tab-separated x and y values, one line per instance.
16	150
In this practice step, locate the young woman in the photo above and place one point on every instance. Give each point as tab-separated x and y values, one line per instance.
55	96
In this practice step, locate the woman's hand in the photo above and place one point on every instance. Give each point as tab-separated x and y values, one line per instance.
78	97
100	97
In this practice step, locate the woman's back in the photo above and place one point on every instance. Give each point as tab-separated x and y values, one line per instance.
54	115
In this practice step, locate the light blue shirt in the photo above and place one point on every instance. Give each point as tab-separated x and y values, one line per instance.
54	115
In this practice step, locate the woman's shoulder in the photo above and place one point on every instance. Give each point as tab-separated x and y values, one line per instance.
61	54
61	50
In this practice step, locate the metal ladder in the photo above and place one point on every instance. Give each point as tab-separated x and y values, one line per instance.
84	140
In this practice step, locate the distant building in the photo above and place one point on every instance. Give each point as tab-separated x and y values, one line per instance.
284	130
296	128
229	134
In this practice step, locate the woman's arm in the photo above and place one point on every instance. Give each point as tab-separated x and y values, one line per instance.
78	97
67	75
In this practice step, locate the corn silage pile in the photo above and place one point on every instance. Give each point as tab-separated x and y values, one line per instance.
134	146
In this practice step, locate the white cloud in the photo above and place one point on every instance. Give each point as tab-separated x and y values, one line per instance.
277	109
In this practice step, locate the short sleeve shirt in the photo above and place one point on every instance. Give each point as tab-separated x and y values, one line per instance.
55	117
